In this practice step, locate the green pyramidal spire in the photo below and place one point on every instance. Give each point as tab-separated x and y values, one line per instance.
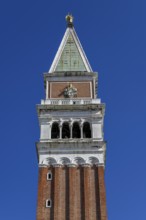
70	59
70	55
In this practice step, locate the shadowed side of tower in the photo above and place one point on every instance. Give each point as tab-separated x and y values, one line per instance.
71	150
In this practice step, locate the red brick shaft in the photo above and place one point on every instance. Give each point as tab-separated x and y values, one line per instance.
77	193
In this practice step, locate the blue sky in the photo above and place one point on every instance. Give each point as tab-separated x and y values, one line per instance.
113	35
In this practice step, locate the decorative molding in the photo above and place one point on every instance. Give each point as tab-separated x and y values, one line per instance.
58	160
67	105
72	165
70	91
87	165
57	165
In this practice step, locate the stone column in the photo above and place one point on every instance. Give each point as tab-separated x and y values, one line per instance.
71	126
81	127
60	130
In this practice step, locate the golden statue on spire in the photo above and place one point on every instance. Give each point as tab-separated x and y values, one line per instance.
69	18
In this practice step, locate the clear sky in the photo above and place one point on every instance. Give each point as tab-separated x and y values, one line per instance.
113	35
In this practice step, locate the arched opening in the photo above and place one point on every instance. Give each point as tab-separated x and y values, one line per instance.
86	130
76	132
79	160
64	160
49	175
48	203
55	131
65	130
93	160
49	161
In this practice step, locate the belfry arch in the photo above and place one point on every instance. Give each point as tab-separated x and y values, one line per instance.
65	130
86	130
76	131
55	131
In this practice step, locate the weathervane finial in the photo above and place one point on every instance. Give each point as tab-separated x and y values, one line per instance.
69	18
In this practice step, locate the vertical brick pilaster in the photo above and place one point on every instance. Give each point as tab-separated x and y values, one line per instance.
78	193
90	195
72	200
52	194
86	193
74	194
59	194
67	192
102	194
44	193
98	211
82	191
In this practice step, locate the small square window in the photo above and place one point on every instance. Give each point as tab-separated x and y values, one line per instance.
49	176
48	203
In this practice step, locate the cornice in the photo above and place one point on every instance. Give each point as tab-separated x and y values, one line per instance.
62	147
85	107
69	73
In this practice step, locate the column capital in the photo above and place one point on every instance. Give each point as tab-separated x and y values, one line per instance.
60	125
70	124
81	121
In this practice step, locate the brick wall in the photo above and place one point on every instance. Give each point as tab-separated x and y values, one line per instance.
77	193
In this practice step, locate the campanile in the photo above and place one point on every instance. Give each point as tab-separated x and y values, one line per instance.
71	149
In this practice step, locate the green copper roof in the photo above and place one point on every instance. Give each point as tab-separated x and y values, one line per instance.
70	59
70	55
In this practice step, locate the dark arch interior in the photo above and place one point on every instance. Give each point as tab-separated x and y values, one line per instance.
76	133
55	131
86	130
65	130
49	203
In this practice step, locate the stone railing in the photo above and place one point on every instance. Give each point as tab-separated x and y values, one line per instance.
70	101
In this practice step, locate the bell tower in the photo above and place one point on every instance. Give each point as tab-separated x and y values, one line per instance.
71	149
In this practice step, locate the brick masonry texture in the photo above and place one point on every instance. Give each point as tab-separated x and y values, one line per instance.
77	193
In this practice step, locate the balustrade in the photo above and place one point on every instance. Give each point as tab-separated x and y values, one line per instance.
70	101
